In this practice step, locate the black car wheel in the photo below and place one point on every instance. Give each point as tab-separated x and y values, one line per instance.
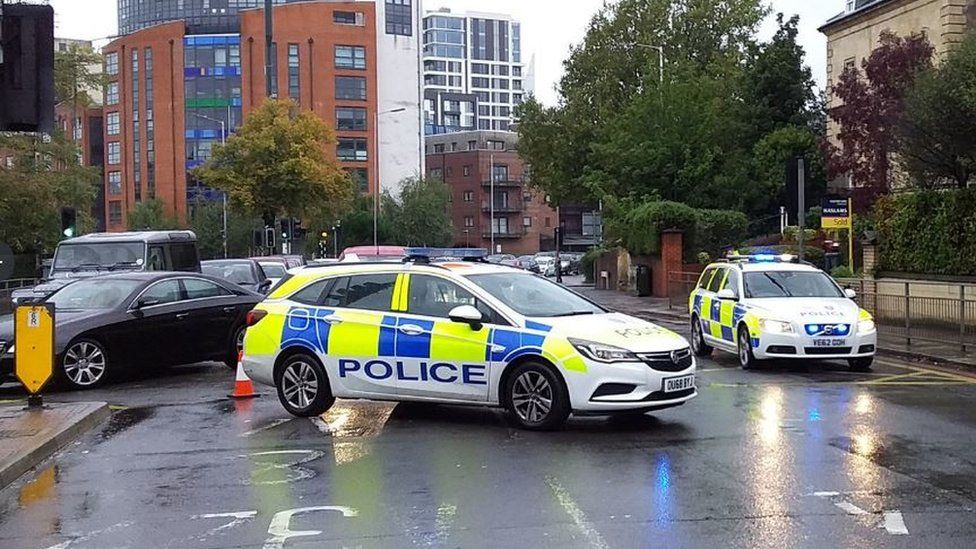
536	397
698	339
84	364
237	347
303	387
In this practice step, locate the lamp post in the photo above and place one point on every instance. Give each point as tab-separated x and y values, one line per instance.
223	141
660	51
467	242
376	172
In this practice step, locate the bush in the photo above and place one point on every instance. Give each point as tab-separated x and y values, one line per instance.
587	263
842	271
719	229
639	227
790	234
928	232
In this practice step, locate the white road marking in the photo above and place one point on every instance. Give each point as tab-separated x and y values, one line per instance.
850	508
239	518
575	513
894	523
90	535
293	469
267	427
280	529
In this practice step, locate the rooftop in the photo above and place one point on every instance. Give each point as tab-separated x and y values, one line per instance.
860	7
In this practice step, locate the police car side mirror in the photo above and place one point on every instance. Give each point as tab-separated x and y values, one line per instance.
851	294
727	295
466	314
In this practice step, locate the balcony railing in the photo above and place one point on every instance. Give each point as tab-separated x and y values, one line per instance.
510	207
511	234
505	182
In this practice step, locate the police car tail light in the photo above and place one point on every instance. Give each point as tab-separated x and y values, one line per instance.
603	353
775	326
255	316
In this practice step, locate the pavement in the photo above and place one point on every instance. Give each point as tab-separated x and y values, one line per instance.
789	455
657	309
31	435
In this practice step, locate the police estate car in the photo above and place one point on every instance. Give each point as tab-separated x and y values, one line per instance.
768	306
459	332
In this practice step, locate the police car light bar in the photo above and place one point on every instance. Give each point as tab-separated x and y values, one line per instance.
764	258
468	254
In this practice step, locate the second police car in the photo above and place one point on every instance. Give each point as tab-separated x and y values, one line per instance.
771	306
459	332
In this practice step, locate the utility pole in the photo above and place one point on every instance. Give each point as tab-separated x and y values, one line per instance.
491	198
268	50
801	211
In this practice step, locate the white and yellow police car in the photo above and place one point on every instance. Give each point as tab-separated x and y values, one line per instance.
772	306
459	332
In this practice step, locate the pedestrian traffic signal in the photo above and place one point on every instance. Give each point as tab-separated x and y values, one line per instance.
69	222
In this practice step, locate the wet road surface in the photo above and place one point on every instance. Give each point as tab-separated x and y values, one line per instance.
786	456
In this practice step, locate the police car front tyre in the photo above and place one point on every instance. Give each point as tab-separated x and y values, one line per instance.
303	386
698	344
862	364
746	357
536	397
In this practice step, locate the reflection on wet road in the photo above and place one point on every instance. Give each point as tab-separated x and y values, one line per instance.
786	456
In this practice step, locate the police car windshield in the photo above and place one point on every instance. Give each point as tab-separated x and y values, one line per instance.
96	293
790	284
533	296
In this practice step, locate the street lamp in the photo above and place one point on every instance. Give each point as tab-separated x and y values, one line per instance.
376	171
660	51
467	242
223	141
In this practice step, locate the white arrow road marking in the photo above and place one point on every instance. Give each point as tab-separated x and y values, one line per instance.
267	427
280	530
575	513
894	523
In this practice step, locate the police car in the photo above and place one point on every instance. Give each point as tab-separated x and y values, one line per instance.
772	306
459	332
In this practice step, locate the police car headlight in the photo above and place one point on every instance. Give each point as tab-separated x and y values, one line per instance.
865	326
603	353
775	326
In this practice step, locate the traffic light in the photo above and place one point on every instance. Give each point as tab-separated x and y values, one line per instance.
69	222
257	238
287	229
269	238
559	238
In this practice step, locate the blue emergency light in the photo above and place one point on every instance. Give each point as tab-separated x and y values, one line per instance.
764	258
467	254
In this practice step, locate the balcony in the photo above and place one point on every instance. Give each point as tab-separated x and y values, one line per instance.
509	207
505	182
511	234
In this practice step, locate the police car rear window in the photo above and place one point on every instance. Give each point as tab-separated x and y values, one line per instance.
373	292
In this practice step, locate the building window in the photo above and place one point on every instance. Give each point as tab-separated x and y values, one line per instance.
548	222
78	129
469	221
468	196
115	212
112	93
399	17
113	125
436	173
500	225
450	171
350	57
472	145
850	63
499	173
274	69
360	179
526	221
349	18
351	118
350	87
526	197
114	183
352	150
114	153
112	64
466	171
439	148
294	80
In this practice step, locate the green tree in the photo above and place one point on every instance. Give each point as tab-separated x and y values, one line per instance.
207	221
770	156
935	137
419	216
44	177
150	215
75	75
276	165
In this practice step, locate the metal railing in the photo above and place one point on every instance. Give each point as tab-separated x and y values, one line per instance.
934	312
680	286
7	288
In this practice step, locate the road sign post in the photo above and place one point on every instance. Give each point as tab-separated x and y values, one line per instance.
34	348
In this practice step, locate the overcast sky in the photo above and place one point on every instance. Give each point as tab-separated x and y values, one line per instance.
549	27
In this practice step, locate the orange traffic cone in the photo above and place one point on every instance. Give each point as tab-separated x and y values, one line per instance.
243	386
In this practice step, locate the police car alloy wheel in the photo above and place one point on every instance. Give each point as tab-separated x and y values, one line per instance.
83	365
698	339
862	364
536	397
303	387
746	358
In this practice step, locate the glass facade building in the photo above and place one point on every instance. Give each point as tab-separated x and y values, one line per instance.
201	16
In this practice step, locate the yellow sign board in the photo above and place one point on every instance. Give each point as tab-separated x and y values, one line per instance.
34	345
835	222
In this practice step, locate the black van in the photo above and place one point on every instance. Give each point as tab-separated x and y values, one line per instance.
100	253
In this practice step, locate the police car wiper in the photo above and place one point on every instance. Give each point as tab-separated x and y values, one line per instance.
578	313
778	285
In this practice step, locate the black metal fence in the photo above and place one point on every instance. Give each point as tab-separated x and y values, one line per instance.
7	288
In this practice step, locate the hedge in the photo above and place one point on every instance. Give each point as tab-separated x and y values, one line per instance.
928	232
718	230
639	226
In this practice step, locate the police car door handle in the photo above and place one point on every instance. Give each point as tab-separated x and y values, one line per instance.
411	330
333	319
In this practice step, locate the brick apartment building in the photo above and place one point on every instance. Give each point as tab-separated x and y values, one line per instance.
84	127
181	71
468	161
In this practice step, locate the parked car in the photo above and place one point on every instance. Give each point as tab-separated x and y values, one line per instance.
528	263
547	265
274	269
246	273
107	324
99	253
500	259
